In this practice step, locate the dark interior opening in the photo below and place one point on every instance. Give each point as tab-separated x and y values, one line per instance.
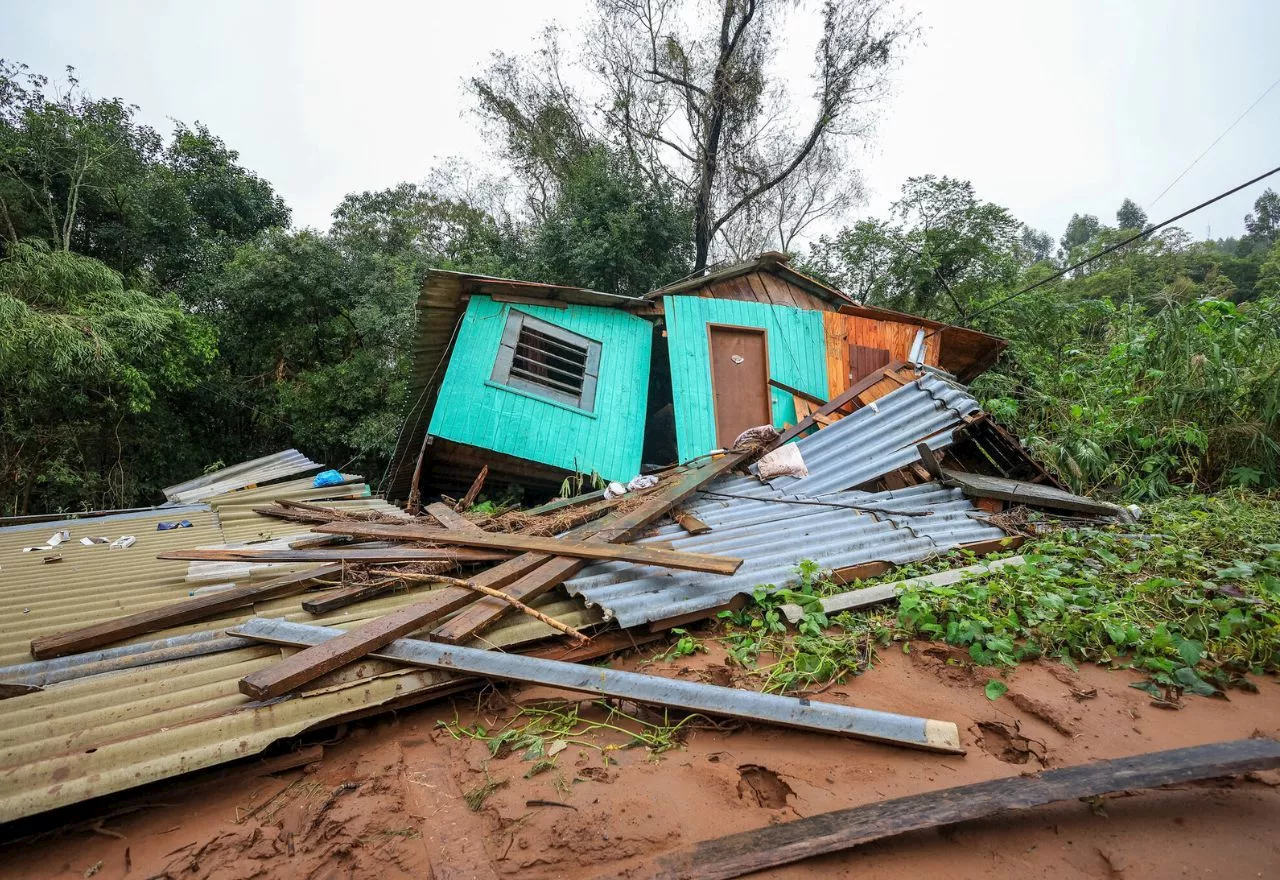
660	418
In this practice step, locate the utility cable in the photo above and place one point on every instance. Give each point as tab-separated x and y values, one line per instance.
1214	144
1117	246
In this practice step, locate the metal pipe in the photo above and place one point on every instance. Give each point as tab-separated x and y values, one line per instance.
804	714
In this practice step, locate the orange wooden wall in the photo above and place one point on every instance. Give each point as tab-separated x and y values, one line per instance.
893	336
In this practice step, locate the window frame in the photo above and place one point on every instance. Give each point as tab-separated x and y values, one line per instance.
516	323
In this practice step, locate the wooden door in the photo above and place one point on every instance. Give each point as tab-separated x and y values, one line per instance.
739	380
863	361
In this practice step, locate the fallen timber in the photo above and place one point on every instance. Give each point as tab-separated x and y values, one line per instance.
559	546
920	733
774	845
526	576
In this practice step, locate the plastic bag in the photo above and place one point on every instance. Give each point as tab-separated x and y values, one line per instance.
613	490
327	478
644	481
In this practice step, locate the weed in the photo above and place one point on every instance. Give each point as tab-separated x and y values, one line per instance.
476	797
1195	604
686	645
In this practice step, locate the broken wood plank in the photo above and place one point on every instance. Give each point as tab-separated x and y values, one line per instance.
341	554
561	503
690	523
801	713
449	518
556	571
476	485
854	599
840	401
703	562
186	611
774	845
336	599
312	663
796	392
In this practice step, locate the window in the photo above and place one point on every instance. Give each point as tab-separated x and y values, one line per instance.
548	361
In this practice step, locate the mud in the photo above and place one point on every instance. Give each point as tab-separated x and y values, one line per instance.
409	796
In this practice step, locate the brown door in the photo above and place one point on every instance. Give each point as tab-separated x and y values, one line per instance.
739	380
864	361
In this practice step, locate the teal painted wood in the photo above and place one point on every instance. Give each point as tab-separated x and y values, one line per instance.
473	410
797	357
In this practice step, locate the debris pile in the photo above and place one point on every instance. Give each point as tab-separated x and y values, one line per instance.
253	588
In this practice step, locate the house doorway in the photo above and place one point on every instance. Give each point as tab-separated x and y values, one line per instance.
739	380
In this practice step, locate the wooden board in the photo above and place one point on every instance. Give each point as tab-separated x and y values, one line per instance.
554	572
341	554
865	360
640	555
774	845
188	610
739	380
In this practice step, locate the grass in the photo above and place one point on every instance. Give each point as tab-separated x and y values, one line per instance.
540	732
1190	597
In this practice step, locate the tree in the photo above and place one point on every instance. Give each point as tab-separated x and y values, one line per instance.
944	250
1081	229
688	100
86	368
1037	245
611	231
1263	224
1130	216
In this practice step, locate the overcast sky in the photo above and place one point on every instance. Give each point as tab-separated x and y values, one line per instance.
1049	108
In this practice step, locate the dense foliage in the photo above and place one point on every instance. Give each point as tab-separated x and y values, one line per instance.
159	315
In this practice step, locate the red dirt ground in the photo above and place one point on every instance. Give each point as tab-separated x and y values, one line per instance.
386	801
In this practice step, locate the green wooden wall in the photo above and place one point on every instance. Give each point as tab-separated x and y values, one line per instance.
797	357
471	409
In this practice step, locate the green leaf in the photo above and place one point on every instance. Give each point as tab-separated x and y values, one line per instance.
995	689
1190	651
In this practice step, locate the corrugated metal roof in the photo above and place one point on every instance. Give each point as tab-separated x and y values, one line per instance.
276	466
772	538
880	437
102	723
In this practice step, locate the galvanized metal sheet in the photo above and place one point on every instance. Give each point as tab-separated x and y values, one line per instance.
805	714
276	466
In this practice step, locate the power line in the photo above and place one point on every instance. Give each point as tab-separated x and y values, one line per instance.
1214	144
1115	247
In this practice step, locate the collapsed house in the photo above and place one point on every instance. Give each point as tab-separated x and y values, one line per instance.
539	381
258	603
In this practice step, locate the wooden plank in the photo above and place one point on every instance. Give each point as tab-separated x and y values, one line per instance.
561	503
520	299
476	485
336	599
341	554
640	555
691	523
312	663
174	614
487	611
796	392
840	401
450	518
774	845
854	599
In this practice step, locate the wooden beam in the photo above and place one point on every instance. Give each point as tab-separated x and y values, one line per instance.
840	401
474	492
796	392
336	599
774	845
313	662
341	554
690	523
554	572
640	555
560	503
450	518
174	614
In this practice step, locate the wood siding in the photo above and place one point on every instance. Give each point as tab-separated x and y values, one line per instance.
764	287
895	337
474	410
796	358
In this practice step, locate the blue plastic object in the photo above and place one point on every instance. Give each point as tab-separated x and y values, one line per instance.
327	478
